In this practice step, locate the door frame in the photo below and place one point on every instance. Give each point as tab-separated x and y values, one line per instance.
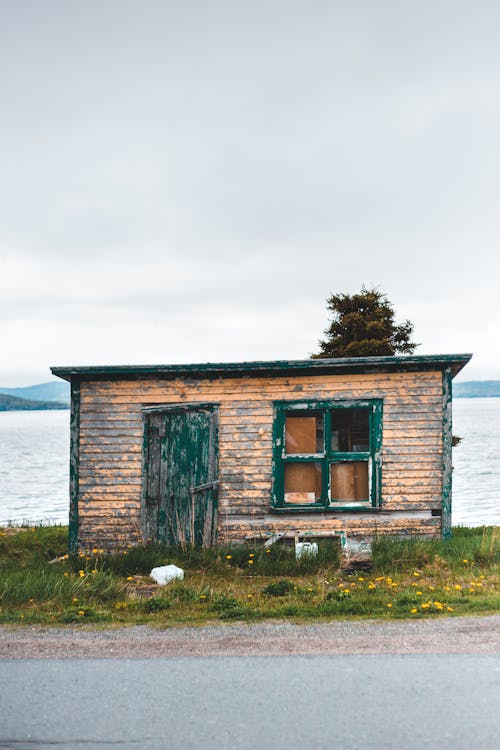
178	408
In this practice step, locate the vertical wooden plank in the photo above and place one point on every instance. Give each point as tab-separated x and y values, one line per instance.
277	467
151	476
74	463
209	519
377	418
447	460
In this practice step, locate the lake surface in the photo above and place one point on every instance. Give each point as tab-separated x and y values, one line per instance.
34	459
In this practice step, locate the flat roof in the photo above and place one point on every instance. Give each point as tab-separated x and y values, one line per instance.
407	363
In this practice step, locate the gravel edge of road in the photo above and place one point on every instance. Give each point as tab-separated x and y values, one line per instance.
453	635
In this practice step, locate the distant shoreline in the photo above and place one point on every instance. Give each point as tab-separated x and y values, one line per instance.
14	403
64	407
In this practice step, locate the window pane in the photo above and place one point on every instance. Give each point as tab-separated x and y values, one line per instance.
304	434
349	481
350	430
302	483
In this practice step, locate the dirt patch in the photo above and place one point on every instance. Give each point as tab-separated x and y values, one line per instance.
453	635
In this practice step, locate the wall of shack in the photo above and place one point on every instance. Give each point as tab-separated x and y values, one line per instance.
111	443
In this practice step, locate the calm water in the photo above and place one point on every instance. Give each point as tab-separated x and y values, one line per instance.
34	450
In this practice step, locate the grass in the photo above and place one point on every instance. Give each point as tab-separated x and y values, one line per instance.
411	578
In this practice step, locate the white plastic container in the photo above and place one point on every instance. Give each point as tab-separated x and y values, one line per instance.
167	573
303	549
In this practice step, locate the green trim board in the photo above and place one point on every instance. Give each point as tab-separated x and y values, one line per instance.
354	365
179	408
74	466
327	456
447	459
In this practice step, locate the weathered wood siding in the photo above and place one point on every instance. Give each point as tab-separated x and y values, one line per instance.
110	456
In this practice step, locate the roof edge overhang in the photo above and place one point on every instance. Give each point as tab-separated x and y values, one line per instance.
410	363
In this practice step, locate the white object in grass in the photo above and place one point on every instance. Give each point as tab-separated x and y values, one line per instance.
303	549
167	573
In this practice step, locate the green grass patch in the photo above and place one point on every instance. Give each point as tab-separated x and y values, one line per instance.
477	546
411	578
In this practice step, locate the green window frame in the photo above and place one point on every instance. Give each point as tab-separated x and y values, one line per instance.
327	455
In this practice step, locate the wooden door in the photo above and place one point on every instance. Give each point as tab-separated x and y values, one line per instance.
180	475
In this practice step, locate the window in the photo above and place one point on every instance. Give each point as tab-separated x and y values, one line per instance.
327	454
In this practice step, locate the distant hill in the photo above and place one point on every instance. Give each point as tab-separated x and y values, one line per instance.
477	389
55	391
12	403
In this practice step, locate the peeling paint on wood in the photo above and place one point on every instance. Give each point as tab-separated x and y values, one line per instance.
111	461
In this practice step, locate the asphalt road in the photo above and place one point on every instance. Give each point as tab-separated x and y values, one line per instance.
223	703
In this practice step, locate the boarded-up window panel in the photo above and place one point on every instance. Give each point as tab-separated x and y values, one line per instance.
302	483
349	481
302	434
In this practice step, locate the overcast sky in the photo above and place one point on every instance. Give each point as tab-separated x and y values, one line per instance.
188	181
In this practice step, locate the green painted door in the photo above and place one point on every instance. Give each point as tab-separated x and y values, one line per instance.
180	478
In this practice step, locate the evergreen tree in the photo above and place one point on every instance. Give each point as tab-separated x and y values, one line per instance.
362	325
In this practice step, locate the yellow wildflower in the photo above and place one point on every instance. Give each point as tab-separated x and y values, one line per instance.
250	562
81	612
228	557
457	586
251	554
203	596
413	611
418	593
268	551
74	599
130	578
389	605
360	578
416	573
81	573
450	609
465	561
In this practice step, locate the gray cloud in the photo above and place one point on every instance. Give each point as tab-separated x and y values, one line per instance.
189	182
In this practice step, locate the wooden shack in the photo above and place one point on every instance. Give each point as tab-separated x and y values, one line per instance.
239	452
